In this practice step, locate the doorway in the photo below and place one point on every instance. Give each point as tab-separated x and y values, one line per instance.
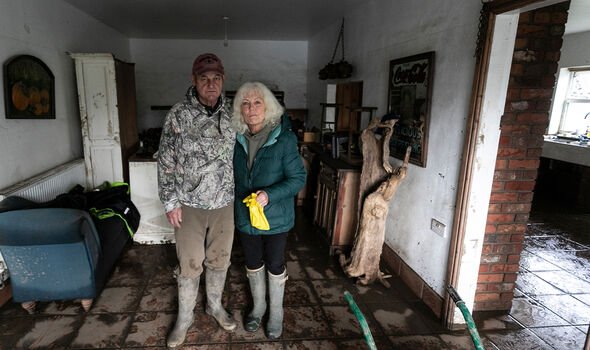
502	152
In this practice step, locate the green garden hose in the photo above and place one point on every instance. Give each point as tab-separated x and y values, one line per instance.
361	318
465	311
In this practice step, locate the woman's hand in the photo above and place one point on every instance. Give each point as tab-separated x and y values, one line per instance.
262	198
174	217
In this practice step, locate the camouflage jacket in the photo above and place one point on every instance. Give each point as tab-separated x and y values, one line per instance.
195	156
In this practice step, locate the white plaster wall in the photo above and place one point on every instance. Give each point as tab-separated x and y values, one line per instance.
575	50
47	30
163	70
376	33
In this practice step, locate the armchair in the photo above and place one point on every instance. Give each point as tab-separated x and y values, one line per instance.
58	253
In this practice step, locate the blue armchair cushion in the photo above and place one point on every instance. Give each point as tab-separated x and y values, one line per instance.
51	253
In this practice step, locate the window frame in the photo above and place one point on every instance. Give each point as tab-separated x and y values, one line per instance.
561	102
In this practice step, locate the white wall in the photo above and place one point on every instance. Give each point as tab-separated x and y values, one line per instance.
47	30
575	50
376	33
163	70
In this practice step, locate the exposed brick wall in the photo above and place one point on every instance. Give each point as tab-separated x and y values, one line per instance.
526	116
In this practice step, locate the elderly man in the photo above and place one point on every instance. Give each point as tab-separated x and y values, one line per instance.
195	180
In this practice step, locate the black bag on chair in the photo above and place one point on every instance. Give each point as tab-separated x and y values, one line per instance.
114	200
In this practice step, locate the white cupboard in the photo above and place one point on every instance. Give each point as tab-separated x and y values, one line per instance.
106	93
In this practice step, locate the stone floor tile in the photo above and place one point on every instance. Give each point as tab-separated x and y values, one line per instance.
377	293
532	262
117	299
311	345
299	293
102	331
573	261
150	329
531	314
344	322
552	243
305	322
417	342
567	307
295	271
67	307
464	341
565	281
399	318
521	339
128	275
361	343
495	320
323	268
276	345
159	298
163	275
585	298
44	333
332	291
204	347
562	338
531	285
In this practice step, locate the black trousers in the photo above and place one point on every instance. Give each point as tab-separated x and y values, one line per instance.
265	249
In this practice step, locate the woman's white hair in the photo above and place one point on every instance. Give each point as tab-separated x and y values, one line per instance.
273	111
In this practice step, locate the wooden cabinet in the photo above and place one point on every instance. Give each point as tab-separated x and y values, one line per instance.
336	207
106	93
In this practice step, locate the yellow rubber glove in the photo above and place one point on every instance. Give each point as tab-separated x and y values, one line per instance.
257	218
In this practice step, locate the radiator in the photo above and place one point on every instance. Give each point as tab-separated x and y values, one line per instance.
48	185
45	187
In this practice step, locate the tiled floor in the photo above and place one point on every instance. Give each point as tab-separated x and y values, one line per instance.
552	300
137	307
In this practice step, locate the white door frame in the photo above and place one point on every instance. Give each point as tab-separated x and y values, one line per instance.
479	153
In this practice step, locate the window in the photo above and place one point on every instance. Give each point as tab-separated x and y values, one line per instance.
571	109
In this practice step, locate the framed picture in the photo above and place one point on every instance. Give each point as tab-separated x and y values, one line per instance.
29	89
409	95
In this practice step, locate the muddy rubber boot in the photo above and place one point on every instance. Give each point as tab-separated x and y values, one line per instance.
257	279
187	298
214	284
276	291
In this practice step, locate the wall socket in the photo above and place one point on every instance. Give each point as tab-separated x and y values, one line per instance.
438	227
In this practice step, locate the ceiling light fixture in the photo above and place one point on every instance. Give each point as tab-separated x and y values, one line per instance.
225	19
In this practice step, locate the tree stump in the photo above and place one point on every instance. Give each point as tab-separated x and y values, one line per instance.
379	182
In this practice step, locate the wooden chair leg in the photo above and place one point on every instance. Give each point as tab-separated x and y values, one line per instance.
86	304
29	306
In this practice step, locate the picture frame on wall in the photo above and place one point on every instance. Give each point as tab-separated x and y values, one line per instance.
409	99
29	89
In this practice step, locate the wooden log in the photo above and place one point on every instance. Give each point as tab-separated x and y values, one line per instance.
379	182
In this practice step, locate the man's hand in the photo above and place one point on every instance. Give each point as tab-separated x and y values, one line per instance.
174	217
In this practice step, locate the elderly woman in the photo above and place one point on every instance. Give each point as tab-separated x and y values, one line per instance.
267	163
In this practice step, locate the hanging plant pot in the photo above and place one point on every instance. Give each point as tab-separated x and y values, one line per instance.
340	70
330	71
344	70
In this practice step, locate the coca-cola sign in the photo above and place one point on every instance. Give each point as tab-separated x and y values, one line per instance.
409	94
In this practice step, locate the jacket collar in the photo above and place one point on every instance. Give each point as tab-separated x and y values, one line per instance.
274	134
191	97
